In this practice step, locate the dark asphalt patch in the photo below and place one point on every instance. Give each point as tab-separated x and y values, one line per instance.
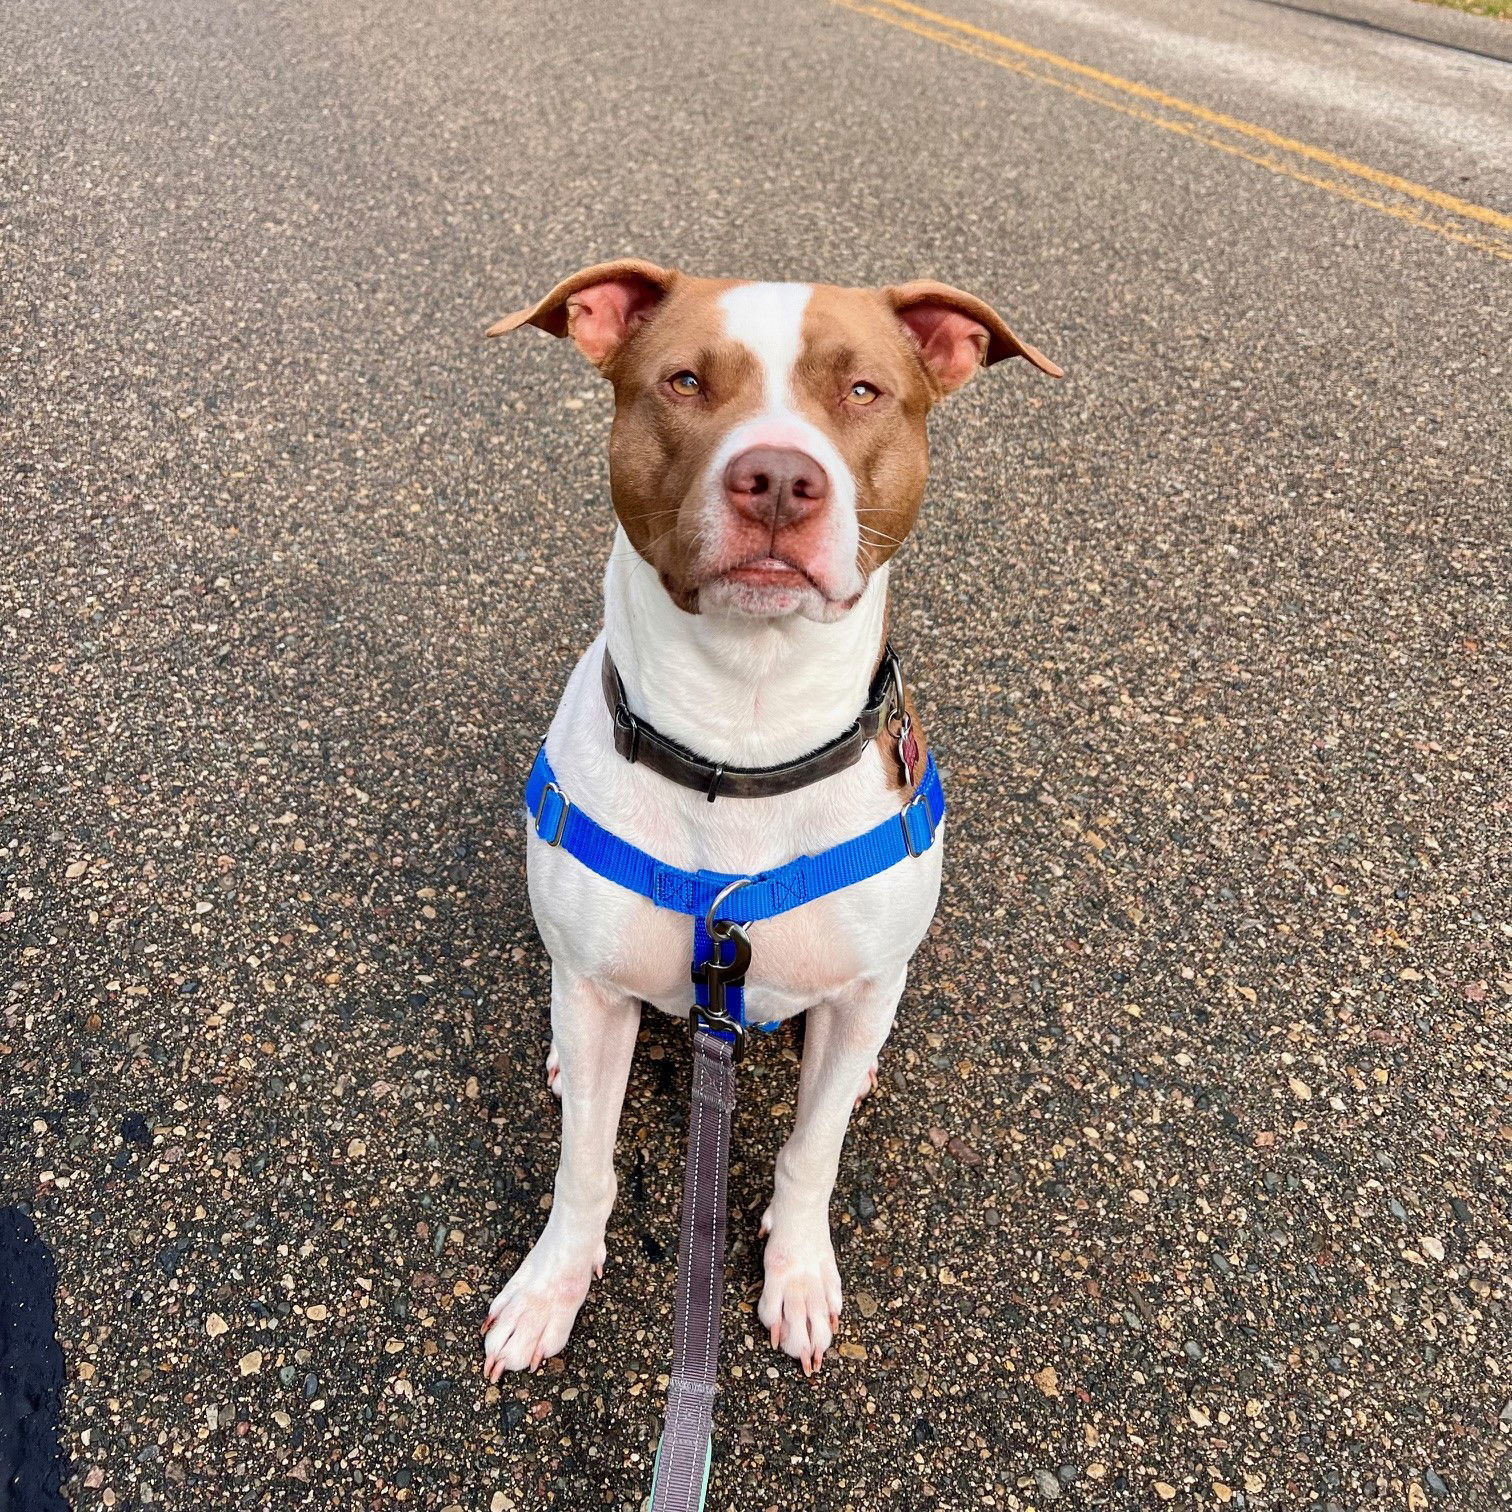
31	1370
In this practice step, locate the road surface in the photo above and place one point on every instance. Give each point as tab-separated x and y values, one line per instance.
1187	1184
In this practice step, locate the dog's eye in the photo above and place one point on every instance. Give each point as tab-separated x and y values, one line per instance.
686	384
861	393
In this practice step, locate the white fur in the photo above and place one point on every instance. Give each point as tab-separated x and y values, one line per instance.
750	692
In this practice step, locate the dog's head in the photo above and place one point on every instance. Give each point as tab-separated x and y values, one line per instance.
769	449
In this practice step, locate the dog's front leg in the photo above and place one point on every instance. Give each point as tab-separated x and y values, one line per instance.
594	1029
800	1304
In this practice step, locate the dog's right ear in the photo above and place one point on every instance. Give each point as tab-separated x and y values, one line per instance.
599	307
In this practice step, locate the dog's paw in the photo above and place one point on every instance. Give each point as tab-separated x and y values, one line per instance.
800	1303
529	1320
554	1070
868	1086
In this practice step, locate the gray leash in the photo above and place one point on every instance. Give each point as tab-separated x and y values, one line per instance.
683	1457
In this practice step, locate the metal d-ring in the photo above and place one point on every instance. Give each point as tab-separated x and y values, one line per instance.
709	918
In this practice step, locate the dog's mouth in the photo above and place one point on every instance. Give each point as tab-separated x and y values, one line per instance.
770	572
768	587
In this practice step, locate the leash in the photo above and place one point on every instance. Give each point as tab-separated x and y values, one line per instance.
683	1456
680	1480
720	904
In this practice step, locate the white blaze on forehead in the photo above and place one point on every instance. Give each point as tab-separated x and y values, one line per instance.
768	318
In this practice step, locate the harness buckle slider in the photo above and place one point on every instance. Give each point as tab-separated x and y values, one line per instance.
917	846
554	839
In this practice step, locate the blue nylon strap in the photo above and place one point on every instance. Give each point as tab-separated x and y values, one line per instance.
767	894
703	949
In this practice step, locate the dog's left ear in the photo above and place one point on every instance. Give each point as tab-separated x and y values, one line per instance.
957	333
599	307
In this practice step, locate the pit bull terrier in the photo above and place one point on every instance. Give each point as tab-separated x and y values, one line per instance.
740	708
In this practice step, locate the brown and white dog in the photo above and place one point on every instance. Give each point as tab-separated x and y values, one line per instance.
768	457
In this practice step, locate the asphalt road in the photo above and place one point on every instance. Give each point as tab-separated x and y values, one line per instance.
1187	1184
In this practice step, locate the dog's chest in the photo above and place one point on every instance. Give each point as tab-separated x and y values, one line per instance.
797	959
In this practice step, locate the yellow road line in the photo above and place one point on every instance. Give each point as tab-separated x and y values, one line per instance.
969	39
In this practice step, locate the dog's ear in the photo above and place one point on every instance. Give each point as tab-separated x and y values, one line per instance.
599	307
956	333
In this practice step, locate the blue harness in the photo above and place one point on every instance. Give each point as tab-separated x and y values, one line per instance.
718	902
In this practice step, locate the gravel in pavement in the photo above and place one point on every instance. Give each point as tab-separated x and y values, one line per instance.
1186	1183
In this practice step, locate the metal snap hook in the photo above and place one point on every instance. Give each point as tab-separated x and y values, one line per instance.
720	975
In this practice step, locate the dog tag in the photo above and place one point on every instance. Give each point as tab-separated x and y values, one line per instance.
908	749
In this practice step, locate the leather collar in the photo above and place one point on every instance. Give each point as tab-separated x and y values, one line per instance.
638	741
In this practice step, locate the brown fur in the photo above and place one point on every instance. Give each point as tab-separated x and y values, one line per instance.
851	334
659	447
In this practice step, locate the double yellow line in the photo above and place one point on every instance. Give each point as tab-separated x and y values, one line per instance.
1429	209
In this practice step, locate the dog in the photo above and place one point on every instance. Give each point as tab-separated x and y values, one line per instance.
768	456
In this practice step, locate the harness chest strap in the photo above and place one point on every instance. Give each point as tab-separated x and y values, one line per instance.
561	823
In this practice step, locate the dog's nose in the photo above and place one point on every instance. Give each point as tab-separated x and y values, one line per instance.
776	485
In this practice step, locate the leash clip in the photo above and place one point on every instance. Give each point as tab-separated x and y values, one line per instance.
718	1023
719	975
